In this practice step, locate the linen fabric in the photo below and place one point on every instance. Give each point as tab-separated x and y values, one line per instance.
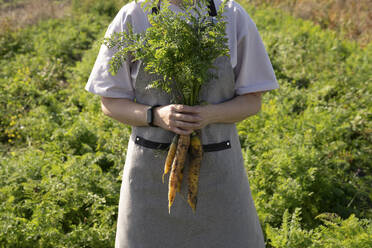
252	68
225	214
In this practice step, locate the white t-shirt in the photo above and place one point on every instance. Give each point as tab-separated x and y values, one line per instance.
252	67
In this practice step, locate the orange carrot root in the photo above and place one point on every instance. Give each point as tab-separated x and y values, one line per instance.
179	160
180	178
194	170
170	156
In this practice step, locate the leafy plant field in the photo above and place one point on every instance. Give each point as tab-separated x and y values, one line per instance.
310	147
352	19
307	153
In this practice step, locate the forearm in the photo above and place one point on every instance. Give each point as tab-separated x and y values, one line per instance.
182	119
177	118
234	110
125	110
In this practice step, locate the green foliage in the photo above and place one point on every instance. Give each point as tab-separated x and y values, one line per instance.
307	152
35	74
49	200
290	234
67	41
179	46
100	8
351	232
333	233
60	168
13	42
310	147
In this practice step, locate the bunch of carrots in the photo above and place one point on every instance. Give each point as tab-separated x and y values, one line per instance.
175	164
182	48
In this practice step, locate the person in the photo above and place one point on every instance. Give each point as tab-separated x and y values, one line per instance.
225	215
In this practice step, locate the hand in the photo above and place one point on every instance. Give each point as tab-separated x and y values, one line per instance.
180	119
207	114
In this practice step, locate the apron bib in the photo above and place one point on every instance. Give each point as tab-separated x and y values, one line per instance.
225	214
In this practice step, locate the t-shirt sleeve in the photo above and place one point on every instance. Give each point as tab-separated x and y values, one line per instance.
253	71
101	81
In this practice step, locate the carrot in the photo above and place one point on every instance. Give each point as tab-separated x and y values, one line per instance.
180	178
196	151
170	156
179	160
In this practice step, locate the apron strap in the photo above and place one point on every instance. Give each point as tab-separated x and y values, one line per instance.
212	8
214	147
156	9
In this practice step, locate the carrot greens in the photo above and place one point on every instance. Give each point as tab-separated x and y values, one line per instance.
180	46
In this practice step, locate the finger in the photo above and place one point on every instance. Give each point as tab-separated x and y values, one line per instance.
185	109
182	131
186	125
186	117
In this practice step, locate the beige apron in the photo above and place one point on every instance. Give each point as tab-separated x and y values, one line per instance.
225	214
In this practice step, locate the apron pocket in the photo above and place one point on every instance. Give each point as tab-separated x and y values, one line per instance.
163	146
151	144
217	146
